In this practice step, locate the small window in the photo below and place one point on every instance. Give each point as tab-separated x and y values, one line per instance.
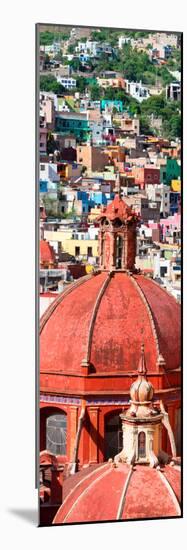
141	445
77	250
89	250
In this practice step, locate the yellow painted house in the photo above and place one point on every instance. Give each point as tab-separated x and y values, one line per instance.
176	185
83	246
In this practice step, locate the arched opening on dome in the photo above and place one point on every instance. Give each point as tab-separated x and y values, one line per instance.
117	223
113	443
105	222
56	433
119	249
141	445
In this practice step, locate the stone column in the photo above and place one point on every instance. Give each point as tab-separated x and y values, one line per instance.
73	429
123	259
125	249
93	444
171	414
100	246
112	251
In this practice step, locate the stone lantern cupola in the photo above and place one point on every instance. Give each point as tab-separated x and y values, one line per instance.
141	391
117	235
142	423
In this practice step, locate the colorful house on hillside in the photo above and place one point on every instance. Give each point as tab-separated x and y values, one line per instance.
146	175
171	227
72	123
175	202
111	103
173	170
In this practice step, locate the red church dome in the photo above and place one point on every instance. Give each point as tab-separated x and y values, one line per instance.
102	320
107	493
47	254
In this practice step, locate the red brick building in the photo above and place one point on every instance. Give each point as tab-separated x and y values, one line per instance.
146	175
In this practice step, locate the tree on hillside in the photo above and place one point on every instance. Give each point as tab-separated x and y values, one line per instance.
99	36
149	78
154	104
95	91
145	128
46	38
48	83
135	63
75	64
71	48
165	75
177	55
172	127
80	83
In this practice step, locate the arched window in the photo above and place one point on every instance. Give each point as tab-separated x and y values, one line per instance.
141	445
117	222
119	248
113	436
56	434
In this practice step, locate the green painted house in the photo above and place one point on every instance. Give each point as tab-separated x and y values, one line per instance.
72	123
173	170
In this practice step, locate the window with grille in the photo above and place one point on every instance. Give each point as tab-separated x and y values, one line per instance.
56	434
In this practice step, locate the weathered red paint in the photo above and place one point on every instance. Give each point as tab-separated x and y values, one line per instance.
98	496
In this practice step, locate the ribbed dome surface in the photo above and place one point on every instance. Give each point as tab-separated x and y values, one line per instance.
104	319
109	493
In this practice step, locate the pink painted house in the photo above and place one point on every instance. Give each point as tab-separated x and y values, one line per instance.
171	227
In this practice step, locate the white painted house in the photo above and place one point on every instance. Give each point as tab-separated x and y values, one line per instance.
137	90
68	82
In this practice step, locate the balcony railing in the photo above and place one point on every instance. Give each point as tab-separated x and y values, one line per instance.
51	272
